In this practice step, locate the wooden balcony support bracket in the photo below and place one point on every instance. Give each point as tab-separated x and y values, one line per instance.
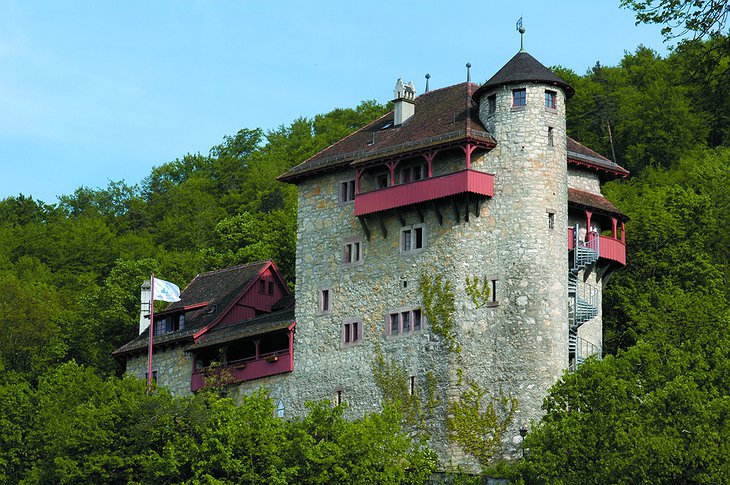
601	271
364	225
382	226
478	207
438	213
429	161
392	167
466	214
468	150
456	209
358	175
401	219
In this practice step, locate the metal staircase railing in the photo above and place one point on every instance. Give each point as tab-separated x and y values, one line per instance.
583	299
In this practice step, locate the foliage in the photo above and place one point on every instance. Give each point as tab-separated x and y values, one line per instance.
394	384
479	294
698	17
477	421
439	306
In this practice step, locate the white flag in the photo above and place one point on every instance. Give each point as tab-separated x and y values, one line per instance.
166	291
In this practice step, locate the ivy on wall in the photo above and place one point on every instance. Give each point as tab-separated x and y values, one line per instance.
439	306
478	291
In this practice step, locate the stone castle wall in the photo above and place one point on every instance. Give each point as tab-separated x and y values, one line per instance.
173	367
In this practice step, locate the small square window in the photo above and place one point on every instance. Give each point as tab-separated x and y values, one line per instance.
519	97
352	252
413	238
347	191
161	326
324	301
550	97
551	136
351	331
492	104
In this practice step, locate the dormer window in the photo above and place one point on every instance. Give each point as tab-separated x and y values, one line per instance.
519	98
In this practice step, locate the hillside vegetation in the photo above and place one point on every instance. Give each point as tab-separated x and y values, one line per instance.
656	409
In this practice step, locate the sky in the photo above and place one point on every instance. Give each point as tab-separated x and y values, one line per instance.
99	90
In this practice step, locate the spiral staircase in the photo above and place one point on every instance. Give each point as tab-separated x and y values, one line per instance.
582	298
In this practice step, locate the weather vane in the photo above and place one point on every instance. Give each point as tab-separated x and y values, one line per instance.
521	30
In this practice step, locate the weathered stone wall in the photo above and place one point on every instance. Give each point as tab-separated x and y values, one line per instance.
585	180
173	367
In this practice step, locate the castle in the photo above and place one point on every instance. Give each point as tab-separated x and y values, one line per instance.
464	181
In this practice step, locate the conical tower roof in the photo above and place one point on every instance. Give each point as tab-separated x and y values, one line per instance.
524	68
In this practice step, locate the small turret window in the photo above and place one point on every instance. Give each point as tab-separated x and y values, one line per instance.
492	103
519	97
550	99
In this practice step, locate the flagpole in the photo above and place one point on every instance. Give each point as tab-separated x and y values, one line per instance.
152	331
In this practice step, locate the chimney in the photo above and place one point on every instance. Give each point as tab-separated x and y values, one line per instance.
405	101
144	311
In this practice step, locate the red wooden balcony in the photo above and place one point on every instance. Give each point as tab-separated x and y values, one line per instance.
464	181
609	248
247	370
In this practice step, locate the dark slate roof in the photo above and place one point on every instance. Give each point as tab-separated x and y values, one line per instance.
263	324
217	289
441	116
524	68
582	155
285	303
594	201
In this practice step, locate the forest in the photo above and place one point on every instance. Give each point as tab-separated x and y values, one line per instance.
655	409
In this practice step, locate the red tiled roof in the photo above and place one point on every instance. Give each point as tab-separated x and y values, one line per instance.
441	116
582	155
217	289
594	201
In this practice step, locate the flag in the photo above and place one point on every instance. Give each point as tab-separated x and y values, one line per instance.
519	24
166	291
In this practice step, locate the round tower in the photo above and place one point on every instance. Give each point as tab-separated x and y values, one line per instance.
523	107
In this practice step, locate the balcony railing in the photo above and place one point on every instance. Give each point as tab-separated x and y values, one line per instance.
464	181
248	369
609	248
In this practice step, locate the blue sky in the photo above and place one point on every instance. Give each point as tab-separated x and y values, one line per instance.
93	91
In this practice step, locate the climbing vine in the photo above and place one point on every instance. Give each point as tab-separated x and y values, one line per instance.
439	306
478	420
479	292
394	383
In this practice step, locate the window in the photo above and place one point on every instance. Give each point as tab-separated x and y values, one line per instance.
338	397
413	238
262	287
161	326
411	174
382	180
550	99
154	376
551	136
493	300
352	252
551	220
492	104
404	321
519	98
347	191
324	301
279	411
412	387
271	287
351	331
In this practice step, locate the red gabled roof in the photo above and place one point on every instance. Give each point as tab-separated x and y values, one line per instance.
440	116
211	295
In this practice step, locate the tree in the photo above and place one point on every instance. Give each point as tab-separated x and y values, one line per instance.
699	18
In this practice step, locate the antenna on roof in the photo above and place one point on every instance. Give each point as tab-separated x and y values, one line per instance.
521	30
468	72
428	76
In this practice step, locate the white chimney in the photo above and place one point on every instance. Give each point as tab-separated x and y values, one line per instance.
144	310
405	101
